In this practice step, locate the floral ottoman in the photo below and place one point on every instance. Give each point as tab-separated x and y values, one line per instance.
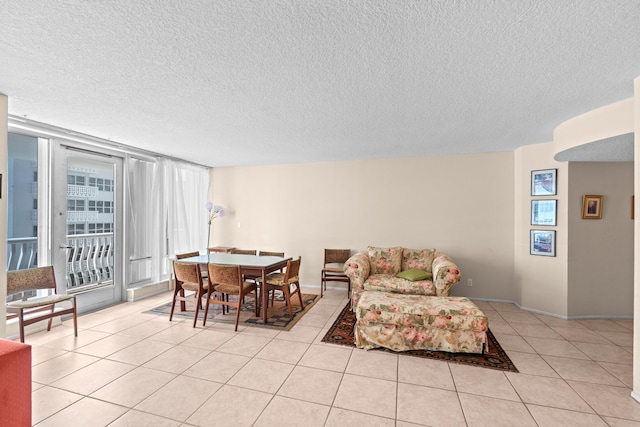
417	322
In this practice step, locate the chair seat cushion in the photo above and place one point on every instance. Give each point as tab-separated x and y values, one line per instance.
39	301
235	290
389	283
190	286
277	279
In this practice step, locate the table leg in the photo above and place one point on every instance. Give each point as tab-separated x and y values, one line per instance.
263	291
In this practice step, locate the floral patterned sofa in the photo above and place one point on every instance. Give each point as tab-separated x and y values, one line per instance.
377	269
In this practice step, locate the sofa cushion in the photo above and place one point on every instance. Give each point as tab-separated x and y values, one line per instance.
391	283
418	258
414	274
385	260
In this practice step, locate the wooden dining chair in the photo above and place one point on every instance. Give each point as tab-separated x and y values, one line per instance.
284	281
244	251
267	253
32	308
333	269
254	277
228	281
203	267
188	278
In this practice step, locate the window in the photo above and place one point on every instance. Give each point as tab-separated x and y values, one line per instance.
75	229
76	179
75	205
100	228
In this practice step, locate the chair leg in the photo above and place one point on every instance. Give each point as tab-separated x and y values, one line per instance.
75	319
287	297
53	308
195	317
300	295
206	311
183	306
21	325
173	304
257	299
238	313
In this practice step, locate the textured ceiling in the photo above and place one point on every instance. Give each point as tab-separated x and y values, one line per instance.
244	82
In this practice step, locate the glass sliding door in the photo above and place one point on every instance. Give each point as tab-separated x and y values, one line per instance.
87	224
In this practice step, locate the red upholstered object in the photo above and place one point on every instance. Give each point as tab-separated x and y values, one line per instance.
15	384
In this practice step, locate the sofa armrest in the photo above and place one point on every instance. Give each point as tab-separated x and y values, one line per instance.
357	268
445	274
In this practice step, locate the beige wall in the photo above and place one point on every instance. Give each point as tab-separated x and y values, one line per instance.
4	117
462	205
540	282
600	275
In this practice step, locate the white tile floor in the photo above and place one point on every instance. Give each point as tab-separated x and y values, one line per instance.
127	368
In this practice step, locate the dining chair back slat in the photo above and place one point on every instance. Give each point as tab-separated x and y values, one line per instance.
244	251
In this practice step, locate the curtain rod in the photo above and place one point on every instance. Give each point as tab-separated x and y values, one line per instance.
44	129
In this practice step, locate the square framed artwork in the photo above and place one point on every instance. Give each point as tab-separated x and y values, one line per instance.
543	212
592	207
543	182
543	242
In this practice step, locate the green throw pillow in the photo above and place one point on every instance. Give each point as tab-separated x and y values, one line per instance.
414	274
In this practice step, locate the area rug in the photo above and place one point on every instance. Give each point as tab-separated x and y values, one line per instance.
277	315
341	332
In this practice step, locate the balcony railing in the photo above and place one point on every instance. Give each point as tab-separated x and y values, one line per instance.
22	253
81	191
82	216
89	260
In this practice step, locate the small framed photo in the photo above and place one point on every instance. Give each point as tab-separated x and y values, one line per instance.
592	207
543	242
543	212
543	182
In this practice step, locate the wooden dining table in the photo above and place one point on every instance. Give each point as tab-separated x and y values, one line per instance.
254	265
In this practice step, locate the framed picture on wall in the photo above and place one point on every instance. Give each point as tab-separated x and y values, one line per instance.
543	212
543	182
592	207
543	242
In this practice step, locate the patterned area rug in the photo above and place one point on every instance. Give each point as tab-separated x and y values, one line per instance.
341	332
277	315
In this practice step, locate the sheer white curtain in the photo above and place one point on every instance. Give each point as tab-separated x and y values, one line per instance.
166	215
186	192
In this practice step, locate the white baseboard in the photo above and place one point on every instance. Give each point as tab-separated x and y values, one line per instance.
136	294
533	310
